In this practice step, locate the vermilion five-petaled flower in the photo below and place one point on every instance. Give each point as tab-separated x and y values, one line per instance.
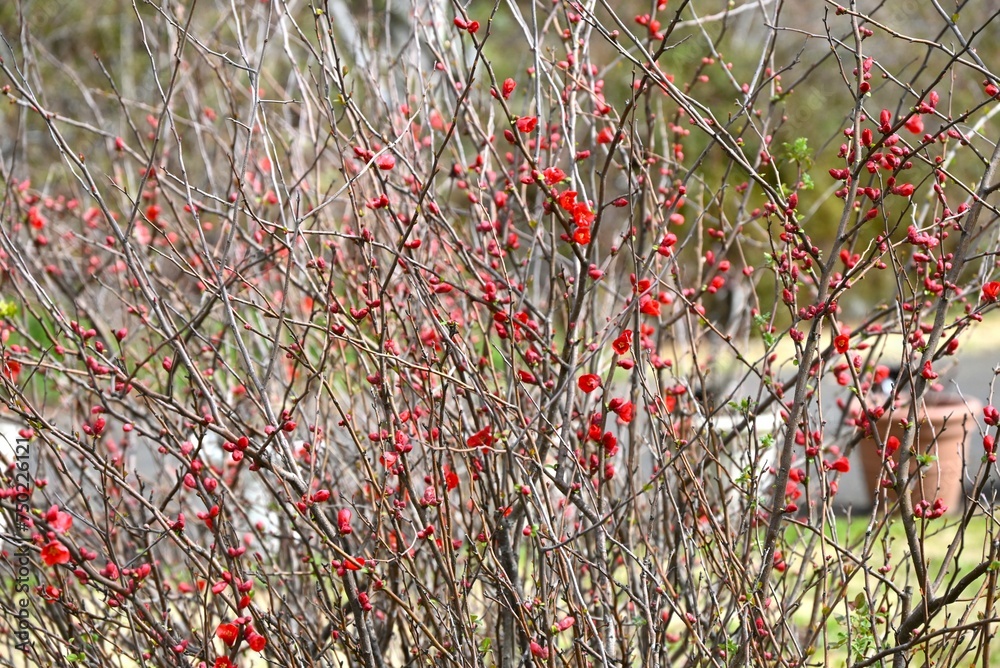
623	343
553	175
589	382
581	235
54	553
256	640
991	291
227	633
842	342
526	124
483	438
58	520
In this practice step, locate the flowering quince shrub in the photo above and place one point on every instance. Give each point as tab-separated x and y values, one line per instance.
499	335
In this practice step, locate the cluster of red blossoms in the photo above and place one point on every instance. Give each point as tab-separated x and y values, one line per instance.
229	633
581	213
54	552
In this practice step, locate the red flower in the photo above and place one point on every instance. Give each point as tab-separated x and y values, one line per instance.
842	342
841	464
623	343
483	438
227	633
927	372
567	200
991	291
582	215
526	124
625	411
553	175
58	520
385	162
589	382
35	219
915	124
450	477
508	87
54	553
649	306
581	235
11	369
254	639
605	136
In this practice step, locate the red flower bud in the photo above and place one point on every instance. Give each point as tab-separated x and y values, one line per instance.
508	88
344	521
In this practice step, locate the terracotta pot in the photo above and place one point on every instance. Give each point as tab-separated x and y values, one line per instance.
942	432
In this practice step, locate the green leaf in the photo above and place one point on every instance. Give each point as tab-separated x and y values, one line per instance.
744	478
7	308
798	151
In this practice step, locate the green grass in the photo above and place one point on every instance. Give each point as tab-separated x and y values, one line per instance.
854	585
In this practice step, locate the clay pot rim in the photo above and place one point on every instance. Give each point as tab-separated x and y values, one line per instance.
953	410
